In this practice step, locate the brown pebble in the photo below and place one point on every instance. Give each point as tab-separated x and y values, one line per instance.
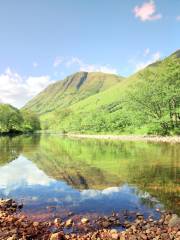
57	236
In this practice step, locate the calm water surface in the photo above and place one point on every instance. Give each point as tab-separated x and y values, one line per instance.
54	175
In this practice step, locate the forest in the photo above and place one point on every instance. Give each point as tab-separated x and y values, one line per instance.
13	120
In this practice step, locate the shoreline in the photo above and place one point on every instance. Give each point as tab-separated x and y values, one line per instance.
165	139
130	138
15	226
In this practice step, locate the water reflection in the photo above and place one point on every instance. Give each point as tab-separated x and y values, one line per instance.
21	179
21	173
88	175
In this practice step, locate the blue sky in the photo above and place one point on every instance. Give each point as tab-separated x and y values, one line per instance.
43	41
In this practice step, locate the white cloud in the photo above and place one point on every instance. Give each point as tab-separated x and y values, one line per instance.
90	67
91	193
35	64
152	57
178	18
16	90
107	192
34	85
147	12
80	65
58	61
95	68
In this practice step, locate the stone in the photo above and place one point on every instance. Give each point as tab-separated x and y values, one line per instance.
57	236
115	236
11	238
113	231
69	223
165	236
143	236
133	228
84	220
57	222
35	224
127	224
112	219
139	215
132	238
174	221
6	202
106	224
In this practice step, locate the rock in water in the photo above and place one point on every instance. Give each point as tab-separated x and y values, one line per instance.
84	220
69	223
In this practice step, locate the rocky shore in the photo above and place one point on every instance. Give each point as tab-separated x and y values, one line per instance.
15	226
167	139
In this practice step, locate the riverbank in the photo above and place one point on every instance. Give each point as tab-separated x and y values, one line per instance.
15	226
168	139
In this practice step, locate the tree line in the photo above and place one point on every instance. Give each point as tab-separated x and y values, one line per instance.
12	120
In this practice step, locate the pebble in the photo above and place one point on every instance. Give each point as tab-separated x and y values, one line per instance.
69	223
57	222
35	224
57	236
84	220
17	226
174	221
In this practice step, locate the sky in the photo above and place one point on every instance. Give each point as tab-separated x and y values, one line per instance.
43	41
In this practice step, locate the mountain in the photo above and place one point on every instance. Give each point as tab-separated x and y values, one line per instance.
71	90
145	103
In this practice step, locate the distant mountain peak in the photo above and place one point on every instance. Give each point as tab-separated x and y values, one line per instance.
76	80
72	89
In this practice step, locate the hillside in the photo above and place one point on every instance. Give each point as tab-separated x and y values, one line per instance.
147	102
71	90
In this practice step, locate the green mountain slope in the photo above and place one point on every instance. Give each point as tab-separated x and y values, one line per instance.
147	102
71	90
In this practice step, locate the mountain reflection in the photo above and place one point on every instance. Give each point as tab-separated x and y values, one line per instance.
50	167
